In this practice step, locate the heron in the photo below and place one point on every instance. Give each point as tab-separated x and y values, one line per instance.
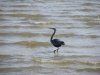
56	42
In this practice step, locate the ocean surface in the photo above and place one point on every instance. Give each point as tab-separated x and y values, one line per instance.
25	47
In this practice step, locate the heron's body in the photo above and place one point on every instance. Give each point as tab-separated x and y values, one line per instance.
56	42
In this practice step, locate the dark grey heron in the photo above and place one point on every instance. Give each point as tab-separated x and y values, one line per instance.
56	42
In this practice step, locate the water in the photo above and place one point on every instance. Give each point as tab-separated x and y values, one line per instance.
25	47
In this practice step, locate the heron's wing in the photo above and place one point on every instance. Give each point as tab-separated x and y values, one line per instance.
56	41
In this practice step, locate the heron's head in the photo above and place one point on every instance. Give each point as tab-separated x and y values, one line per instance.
53	28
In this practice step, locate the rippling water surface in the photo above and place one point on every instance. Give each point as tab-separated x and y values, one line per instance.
25	47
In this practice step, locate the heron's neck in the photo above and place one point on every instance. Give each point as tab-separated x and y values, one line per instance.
53	35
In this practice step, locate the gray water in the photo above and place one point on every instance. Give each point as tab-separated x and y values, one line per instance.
25	47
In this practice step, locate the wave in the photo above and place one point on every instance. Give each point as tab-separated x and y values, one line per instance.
33	43
66	61
89	70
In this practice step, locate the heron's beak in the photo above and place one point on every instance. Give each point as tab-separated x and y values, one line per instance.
50	28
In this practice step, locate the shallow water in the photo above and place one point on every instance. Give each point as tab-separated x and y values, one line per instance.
25	47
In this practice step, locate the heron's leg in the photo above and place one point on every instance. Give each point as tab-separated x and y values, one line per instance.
57	49
54	51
